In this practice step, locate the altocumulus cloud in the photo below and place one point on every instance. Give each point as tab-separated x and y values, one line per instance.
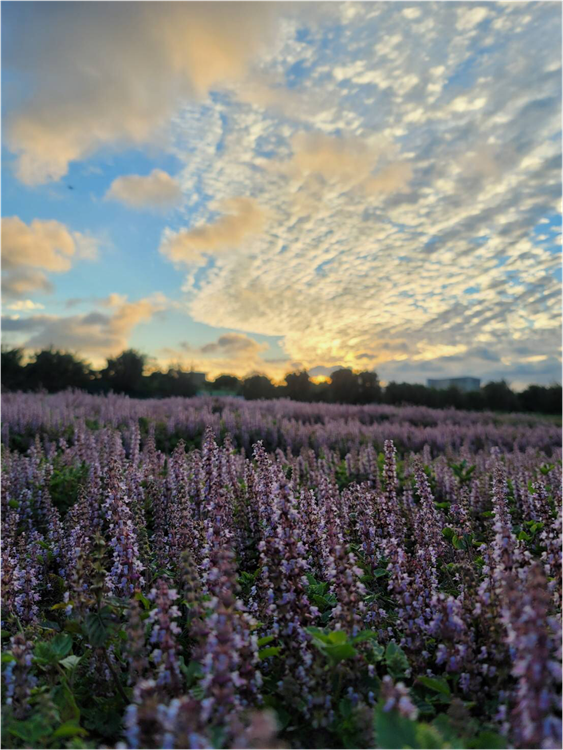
402	200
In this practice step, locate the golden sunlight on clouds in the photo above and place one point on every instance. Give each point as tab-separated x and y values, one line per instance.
228	232
42	244
155	191
25	305
429	351
234	353
346	162
29	251
116	77
95	335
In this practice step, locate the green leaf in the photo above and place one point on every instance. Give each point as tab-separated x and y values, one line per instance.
448	532
50	625
71	661
318	635
61	645
438	684
380	572
70	729
429	738
378	651
44	654
96	625
393	731
72	626
5	634
7	657
443	724
337	637
13	504
396	660
486	740
139	596
265	640
364	635
32	732
265	653
191	672
61	605
339	652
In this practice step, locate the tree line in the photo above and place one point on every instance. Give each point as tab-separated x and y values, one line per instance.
53	370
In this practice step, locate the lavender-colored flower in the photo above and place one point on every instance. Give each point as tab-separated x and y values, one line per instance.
395	696
17	678
164	636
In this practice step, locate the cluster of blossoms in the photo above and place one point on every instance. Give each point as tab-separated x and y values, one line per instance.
230	570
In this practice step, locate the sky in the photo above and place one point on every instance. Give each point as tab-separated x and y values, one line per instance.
263	187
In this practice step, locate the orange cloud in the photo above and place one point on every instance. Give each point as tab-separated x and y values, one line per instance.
189	245
157	190
31	250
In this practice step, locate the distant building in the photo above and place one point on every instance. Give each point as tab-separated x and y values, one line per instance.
463	384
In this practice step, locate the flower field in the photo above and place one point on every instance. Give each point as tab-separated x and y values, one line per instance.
214	573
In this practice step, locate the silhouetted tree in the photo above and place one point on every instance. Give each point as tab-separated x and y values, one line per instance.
542	399
344	387
55	371
553	403
175	382
13	371
474	400
226	383
409	393
298	386
499	397
258	386
124	374
369	389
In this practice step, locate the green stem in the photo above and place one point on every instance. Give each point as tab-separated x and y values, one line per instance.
118	684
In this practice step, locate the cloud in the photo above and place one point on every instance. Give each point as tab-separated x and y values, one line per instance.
25	304
158	190
29	251
113	74
43	244
468	18
189	245
234	353
95	334
346	163
23	281
403	205
234	345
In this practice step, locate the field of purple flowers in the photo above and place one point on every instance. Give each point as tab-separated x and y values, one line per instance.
214	573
